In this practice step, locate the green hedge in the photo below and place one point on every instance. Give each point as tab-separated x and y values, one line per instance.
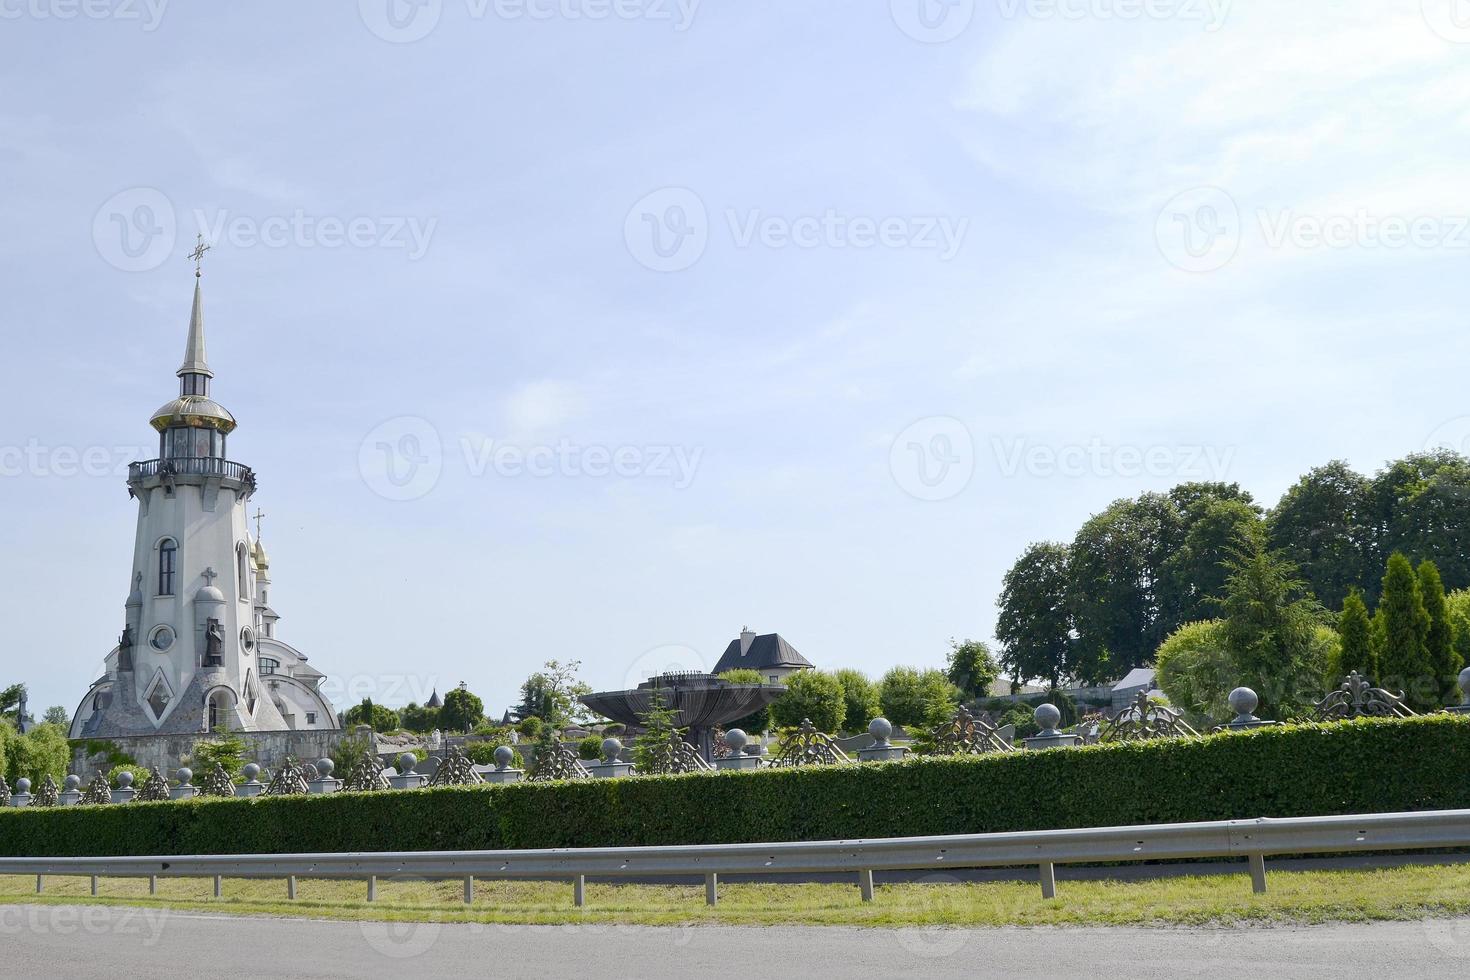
1352	767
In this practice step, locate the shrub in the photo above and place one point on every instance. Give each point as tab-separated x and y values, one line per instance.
483	753
811	695
530	727
908	695
860	695
1374	765
590	748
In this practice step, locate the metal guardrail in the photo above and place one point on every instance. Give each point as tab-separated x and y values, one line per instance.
1253	839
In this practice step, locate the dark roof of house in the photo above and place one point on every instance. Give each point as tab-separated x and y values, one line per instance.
765	652
435	701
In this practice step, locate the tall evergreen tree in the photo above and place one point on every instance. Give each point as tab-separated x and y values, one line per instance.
1404	625
1270	626
1440	640
1356	631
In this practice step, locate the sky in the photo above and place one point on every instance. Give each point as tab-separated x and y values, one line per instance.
595	330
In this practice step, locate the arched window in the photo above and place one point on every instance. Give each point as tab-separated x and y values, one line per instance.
219	710
168	563
242	569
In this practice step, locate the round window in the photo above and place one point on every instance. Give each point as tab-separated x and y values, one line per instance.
247	640
162	638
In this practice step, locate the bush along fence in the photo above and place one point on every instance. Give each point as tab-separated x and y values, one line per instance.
1366	765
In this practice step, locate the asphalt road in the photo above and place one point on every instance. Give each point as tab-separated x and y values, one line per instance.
96	943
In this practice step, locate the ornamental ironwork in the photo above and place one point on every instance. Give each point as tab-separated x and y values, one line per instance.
98	791
365	777
217	782
289	780
4	792
967	735
48	794
1145	719
671	757
557	762
455	770
155	788
1358	698
808	747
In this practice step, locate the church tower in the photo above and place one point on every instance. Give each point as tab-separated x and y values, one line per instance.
198	651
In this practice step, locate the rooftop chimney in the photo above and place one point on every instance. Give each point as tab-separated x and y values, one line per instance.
746	639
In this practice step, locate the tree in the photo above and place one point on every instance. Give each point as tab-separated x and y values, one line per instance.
1323	525
552	693
1035	622
1422	508
1271	622
811	695
971	668
375	716
756	722
1117	591
907	694
462	711
57	715
41	752
418	719
1355	632
659	730
1404	627
1196	573
1444	659
10	700
1196	671
860	697
226	749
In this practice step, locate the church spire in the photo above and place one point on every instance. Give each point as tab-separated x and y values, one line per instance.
195	359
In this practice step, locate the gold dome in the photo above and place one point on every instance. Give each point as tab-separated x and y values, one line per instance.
194	411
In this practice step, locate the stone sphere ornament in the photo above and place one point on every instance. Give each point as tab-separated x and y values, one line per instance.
1048	716
504	756
737	740
324	768
1244	702
406	762
124	779
1465	684
611	749
22	786
184	776
252	772
72	782
882	730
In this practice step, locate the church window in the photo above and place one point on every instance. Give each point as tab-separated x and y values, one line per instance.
269	666
162	639
243	572
168	560
159	696
311	717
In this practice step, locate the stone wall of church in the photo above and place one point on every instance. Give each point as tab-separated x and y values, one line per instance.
166	752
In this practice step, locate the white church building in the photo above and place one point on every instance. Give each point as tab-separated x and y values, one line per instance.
199	650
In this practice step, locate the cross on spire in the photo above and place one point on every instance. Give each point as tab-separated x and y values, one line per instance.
210	575
198	256
258	515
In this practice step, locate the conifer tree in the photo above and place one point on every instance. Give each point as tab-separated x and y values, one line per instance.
1404	625
1444	660
1356	631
